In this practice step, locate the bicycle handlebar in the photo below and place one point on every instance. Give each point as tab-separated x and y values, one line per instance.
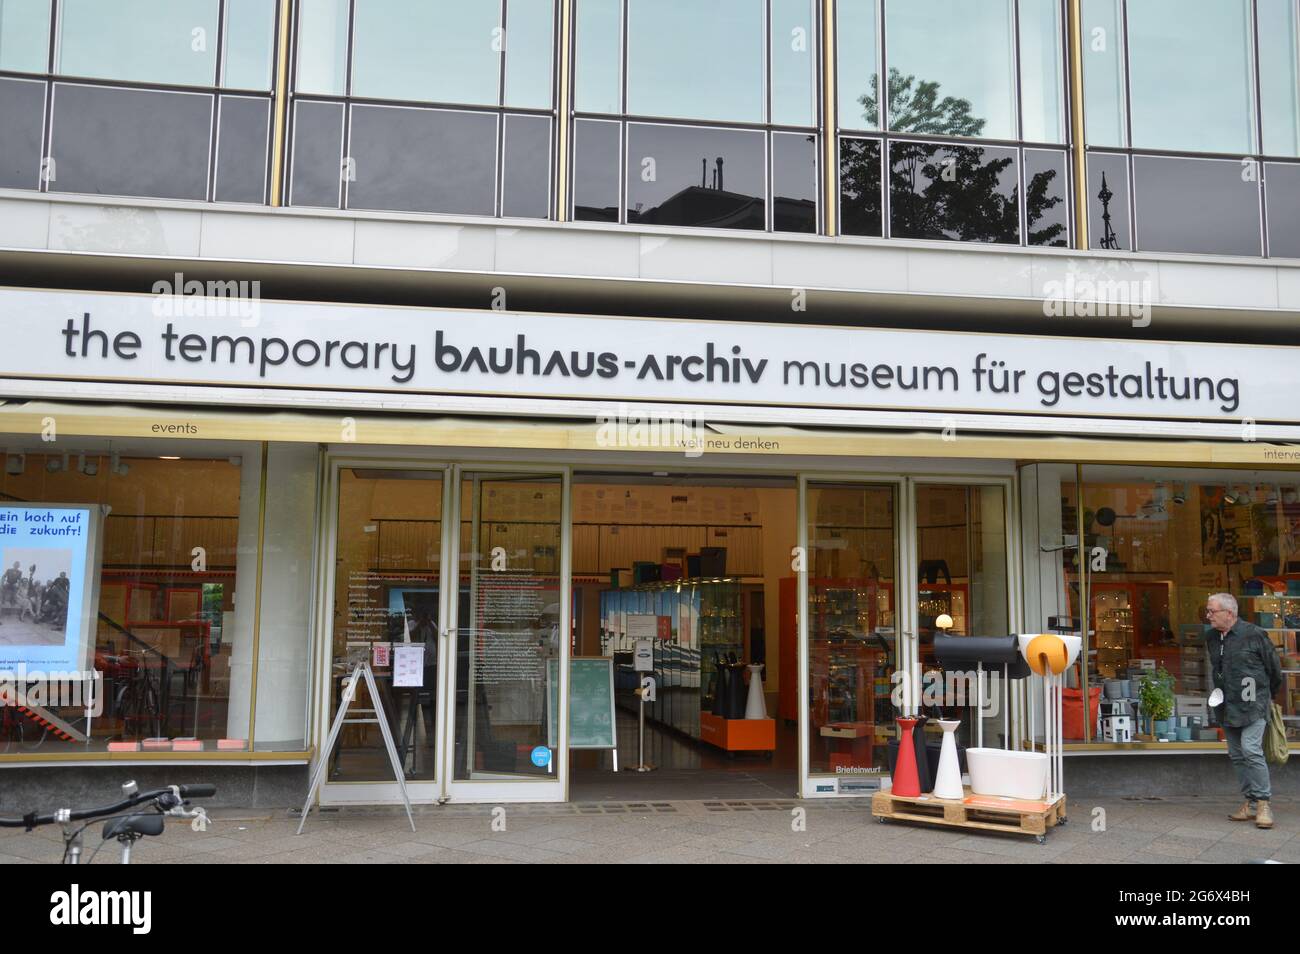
32	820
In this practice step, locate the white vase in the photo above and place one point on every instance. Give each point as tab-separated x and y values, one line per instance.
947	783
755	707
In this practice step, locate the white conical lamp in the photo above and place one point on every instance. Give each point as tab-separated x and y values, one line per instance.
947	782
755	707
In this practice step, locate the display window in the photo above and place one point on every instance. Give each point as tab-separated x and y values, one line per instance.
1137	551
118	621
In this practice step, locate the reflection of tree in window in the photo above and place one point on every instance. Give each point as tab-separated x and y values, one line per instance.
969	203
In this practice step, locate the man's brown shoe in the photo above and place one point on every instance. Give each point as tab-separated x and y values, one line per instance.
1245	813
1264	817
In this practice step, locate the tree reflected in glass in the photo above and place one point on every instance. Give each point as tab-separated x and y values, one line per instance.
942	191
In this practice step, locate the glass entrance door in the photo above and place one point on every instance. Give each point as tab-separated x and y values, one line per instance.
510	665
850	590
384	582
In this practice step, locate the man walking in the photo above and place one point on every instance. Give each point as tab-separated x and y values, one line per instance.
1246	670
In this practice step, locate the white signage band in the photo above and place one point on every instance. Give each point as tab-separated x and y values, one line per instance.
165	339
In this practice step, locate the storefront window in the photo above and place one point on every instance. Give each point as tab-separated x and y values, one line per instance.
1141	550
141	590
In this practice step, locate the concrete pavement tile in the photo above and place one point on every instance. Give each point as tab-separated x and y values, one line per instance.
567	846
511	852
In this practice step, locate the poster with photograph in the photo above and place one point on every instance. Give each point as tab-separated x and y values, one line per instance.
49	582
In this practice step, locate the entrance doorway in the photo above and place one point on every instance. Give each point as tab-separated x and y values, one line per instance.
467	568
696	571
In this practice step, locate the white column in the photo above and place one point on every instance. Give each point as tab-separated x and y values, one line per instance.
240	635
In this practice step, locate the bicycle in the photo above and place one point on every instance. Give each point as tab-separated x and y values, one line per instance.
123	825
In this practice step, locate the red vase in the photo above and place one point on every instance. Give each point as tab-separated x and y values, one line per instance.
906	782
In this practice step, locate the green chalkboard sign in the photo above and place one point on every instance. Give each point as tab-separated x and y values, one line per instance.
591	702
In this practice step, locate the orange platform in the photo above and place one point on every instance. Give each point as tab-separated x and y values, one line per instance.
738	735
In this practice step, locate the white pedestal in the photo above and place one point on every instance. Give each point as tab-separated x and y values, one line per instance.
947	784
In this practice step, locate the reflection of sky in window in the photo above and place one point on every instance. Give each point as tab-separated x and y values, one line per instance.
696	61
677	152
969	54
1190	66
1278	84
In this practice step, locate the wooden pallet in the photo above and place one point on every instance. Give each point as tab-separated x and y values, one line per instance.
980	812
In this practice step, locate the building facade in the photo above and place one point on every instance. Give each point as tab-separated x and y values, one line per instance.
475	339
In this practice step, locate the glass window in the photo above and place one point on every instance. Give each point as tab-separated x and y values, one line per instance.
1279	78
530	28
162	636
317	157
857	63
794	182
1196	205
794	63
961	541
696	61
1042	80
144	41
508	626
24	35
692	175
1103	74
1163	540
526	178
445	52
243	131
1191	78
22	116
106	141
597	86
423	160
388	555
322	47
853	650
1108	225
967	193
250	44
1282	193
861	203
596	166
1047	206
956	82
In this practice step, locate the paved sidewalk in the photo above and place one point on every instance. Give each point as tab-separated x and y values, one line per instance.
1135	831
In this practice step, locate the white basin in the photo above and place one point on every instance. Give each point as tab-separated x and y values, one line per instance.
1072	645
1009	774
